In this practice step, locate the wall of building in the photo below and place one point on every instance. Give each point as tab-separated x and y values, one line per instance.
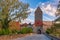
47	24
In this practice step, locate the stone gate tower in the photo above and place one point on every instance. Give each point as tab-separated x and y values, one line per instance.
38	20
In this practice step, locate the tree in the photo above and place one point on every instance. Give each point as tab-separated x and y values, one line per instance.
11	10
58	9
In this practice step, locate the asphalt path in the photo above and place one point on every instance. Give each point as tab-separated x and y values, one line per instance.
34	37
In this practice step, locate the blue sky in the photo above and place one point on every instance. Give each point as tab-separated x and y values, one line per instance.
34	3
47	6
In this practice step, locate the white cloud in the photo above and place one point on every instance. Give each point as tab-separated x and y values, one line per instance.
31	10
45	18
48	9
28	21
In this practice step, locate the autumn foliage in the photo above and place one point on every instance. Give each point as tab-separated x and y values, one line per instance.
14	25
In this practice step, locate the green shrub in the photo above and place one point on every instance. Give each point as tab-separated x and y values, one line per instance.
16	31
0	32
8	32
26	30
5	31
48	31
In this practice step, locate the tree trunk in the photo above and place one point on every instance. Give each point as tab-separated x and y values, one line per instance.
5	23
5	26
19	20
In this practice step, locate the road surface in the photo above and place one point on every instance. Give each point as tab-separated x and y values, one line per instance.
34	37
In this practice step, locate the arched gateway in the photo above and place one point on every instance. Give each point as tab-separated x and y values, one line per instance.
38	21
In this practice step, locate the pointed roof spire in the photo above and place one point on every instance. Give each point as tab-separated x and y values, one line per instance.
38	10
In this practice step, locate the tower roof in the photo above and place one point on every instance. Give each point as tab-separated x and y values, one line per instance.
38	9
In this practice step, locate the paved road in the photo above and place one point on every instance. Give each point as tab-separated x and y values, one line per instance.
34	37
